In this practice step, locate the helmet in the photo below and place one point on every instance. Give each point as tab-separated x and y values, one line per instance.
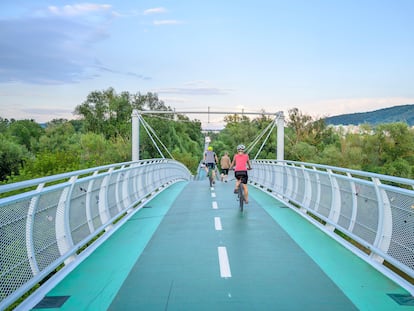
210	148
241	147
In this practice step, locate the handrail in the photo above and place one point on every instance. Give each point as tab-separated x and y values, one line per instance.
375	211
46	222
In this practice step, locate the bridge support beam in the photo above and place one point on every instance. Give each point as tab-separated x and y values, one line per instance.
135	135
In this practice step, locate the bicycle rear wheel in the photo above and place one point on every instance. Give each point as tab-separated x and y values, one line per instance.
241	197
210	177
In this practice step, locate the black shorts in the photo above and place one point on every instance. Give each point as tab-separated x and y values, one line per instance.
242	175
211	165
225	171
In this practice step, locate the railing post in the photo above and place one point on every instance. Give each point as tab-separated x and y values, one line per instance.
62	225
135	135
385	221
280	136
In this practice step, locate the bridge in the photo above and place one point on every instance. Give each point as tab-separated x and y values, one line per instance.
147	235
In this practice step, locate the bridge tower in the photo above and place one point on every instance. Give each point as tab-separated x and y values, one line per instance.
280	121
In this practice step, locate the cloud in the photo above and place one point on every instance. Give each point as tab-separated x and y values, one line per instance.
47	111
194	91
78	9
167	22
155	11
54	46
128	73
164	21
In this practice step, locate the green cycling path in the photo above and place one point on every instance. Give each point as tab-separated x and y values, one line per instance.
191	249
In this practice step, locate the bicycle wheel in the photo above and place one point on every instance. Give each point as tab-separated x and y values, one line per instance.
241	197
210	177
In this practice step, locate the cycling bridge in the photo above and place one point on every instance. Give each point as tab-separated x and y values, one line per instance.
146	235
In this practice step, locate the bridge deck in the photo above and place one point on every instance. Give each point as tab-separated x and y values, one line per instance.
166	257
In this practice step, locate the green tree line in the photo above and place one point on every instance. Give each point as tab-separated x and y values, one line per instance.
101	134
385	148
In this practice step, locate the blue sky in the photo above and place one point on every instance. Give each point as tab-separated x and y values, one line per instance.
325	57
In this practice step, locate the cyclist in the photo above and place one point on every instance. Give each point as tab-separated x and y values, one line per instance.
210	159
241	164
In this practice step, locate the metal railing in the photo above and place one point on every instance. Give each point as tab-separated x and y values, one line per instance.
370	214
46	222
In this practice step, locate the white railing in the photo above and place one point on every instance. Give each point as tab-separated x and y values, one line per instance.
376	211
45	222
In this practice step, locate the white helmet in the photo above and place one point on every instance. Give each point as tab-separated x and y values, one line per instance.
241	147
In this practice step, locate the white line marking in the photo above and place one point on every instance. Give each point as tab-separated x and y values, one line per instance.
214	204
217	223
224	262
213	194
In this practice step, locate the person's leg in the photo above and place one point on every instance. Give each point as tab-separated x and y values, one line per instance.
213	174
238	180
246	193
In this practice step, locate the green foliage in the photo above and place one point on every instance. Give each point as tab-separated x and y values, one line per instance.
25	132
47	163
386	149
12	156
182	138
102	135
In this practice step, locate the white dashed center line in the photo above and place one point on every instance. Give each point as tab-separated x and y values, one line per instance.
224	262
214	205
217	223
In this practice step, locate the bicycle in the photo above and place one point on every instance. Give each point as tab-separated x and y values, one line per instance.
240	195
210	175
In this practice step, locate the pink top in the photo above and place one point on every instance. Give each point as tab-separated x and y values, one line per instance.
241	162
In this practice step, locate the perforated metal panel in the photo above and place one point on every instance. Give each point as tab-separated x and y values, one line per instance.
15	267
402	239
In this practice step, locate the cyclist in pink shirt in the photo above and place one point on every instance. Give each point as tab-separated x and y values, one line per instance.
241	164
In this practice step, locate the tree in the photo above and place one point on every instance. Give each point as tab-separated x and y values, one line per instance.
25	132
12	156
108	113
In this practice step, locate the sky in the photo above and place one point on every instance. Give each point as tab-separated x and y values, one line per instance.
324	57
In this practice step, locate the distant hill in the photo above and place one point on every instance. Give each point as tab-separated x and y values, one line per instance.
403	113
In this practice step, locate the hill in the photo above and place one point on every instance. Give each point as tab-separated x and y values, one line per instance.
404	113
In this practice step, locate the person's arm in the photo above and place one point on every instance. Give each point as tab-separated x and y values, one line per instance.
232	163
248	163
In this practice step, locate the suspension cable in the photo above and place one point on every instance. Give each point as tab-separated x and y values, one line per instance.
150	136
146	125
267	137
258	137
